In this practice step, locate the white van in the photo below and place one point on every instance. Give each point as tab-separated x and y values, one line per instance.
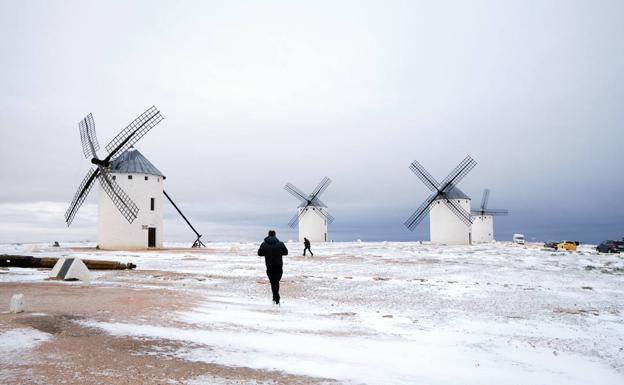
518	238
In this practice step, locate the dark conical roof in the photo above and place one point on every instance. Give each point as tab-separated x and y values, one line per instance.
455	193
132	161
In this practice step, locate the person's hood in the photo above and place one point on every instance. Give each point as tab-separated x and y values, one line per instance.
271	240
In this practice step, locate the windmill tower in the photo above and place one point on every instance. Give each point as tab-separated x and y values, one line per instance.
448	207
312	215
131	187
483	220
143	183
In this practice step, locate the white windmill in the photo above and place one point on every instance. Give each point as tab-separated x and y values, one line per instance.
448	207
312	215
130	185
483	220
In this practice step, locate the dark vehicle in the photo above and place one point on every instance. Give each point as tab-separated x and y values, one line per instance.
611	247
551	244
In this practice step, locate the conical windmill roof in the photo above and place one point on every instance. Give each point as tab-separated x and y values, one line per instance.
132	161
455	193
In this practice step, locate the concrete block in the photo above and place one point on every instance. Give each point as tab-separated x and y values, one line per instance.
70	269
17	303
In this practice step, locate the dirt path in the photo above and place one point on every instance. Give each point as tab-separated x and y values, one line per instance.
81	355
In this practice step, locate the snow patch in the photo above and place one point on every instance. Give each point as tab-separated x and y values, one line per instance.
424	357
210	380
17	342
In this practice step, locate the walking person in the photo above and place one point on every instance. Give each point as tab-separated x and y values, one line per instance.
306	246
272	249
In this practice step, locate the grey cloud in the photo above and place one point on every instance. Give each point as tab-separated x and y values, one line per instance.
258	95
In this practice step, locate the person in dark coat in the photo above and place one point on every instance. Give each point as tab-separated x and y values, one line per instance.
272	249
306	246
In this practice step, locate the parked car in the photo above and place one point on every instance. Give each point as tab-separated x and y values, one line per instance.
518	238
611	247
551	244
567	245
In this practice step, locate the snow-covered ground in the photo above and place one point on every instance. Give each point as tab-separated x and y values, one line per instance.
15	344
386	312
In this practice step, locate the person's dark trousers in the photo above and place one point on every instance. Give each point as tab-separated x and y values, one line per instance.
274	272
308	248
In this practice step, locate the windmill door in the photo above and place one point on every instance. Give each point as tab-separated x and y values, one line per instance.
151	237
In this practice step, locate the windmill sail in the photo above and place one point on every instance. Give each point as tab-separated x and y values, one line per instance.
446	191
81	194
88	138
311	200
483	210
122	142
133	132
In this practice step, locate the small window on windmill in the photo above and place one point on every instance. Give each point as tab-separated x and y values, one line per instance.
129	176
146	178
144	227
152	204
114	177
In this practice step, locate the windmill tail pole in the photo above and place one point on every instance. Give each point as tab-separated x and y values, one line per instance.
198	242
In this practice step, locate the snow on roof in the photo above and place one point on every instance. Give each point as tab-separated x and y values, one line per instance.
132	161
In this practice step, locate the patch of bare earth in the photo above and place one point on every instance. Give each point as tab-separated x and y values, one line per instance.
81	355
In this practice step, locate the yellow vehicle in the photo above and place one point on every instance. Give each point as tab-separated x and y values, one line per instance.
567	245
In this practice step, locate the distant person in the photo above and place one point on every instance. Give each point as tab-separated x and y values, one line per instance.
306	246
272	249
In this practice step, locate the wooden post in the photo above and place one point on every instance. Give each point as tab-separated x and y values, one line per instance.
49	262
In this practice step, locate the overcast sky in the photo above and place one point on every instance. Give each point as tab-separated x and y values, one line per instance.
257	94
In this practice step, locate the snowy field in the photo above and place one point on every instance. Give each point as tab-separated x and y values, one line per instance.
374	313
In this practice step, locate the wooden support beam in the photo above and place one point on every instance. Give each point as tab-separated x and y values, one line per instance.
49	262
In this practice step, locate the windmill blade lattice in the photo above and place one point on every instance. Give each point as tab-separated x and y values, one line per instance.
493	212
81	194
88	138
120	199
296	192
318	202
133	132
322	186
424	176
458	174
311	200
420	213
483	210
499	212
486	197
325	215
459	211
295	219
122	142
441	191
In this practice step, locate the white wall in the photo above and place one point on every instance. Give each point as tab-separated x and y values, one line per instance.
445	227
482	229
312	225
114	231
